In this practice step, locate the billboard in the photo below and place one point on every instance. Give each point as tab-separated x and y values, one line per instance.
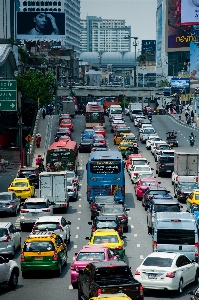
148	46
189	12
194	66
178	84
159	35
40	26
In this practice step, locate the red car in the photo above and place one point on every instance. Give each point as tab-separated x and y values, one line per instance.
144	183
99	130
66	123
64	116
99	138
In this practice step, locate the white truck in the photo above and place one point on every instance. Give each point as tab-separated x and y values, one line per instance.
53	185
69	107
134	110
185	167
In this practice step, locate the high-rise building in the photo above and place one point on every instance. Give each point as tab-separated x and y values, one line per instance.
71	8
8	10
98	35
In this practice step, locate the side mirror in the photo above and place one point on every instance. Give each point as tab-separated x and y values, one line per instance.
87	238
6	259
159	182
76	253
190	293
18	230
69	223
89	223
127	209
152	168
124	237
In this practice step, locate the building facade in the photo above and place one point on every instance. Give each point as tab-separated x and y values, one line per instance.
8	18
98	35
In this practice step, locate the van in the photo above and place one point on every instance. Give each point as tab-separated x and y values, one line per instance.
115	110
165	165
176	232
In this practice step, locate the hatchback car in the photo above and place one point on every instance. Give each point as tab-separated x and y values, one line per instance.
73	176
165	165
192	201
98	202
9	271
98	129
57	224
99	138
107	222
87	133
150	140
9	203
10	239
22	188
136	170
166	271
183	189
32	209
66	123
43	251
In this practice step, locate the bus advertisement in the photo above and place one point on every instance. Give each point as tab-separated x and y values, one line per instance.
61	156
105	175
94	114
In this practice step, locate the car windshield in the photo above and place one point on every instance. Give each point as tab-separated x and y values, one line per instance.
144	168
157	192
139	162
166	207
113	210
47	226
5	197
149	183
20	184
106	224
188	186
148	175
157	262
149	131
111	273
40	246
35	205
105	239
3	232
90	256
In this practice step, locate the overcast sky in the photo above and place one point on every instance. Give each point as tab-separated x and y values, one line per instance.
139	14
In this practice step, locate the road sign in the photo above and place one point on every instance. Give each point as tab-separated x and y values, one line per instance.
29	138
8	95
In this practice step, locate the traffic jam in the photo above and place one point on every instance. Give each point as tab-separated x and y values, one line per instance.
100	269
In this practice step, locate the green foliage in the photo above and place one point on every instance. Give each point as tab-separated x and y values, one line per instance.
72	93
35	84
24	55
163	83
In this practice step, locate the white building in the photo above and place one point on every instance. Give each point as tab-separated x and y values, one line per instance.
98	35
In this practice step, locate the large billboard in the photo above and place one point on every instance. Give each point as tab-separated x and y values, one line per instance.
178	84
42	26
194	66
189	12
159	23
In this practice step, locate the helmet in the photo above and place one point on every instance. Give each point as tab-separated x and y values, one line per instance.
39	155
191	133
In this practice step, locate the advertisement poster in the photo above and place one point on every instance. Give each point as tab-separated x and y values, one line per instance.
194	66
189	12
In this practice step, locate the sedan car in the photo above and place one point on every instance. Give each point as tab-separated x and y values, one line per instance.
136	170
87	133
183	189
98	129
116	210
150	140
72	175
31	173
192	201
10	239
62	131
98	202
167	271
115	123
107	222
22	188
137	118
99	147
143	184
9	203
99	138
87	254
150	192
66	123
72	190
85	145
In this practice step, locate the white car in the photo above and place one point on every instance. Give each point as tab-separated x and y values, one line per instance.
155	144
164	152
10	239
146	132
57	224
144	126
72	176
159	148
32	209
135	162
9	271
150	140
166	271
137	118
143	175
139	169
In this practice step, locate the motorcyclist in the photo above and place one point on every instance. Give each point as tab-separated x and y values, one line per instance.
192	139
39	162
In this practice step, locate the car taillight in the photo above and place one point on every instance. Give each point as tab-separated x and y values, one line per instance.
64	205
141	292
160	165
55	256
88	191
181	195
23	211
27	190
74	268
153	218
94	206
120	229
154	246
123	190
118	248
10	190
34	227
137	272
171	274
60	227
74	180
9	204
196	249
94	228
196	178
123	217
46	210
176	178
72	190
7	239
22	257
98	292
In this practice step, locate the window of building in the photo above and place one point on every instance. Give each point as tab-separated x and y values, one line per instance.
55	3
42	3
25	3
59	3
37	3
25	9
59	9
46	3
50	3
38	9
54	9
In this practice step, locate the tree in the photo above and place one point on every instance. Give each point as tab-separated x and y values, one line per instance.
36	84
163	83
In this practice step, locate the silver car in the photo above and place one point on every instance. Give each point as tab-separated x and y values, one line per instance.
72	190
9	203
10	239
34	208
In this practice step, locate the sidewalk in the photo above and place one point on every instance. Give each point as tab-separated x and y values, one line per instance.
180	118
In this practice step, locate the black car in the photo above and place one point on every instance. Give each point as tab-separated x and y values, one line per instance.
183	189
150	192
106	222
31	173
62	132
165	165
85	145
98	202
194	294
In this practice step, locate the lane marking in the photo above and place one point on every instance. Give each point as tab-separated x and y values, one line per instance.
135	234
80	205
79	212
132	226
141	257
76	237
75	246
78	219
77	228
70	287
138	245
129	218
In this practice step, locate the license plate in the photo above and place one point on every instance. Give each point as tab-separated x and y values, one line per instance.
152	276
34	213
38	257
168	171
19	191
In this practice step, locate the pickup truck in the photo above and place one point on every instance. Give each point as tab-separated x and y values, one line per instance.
108	278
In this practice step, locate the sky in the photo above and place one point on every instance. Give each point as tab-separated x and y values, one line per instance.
139	14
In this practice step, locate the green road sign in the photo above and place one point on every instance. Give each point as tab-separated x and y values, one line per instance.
8	95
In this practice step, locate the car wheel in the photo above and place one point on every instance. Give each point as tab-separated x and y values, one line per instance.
12	283
74	285
68	240
22	227
126	229
159	174
59	270
196	278
80	294
180	287
156	171
24	274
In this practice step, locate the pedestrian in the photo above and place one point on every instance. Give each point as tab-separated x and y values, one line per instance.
38	140
39	162
189	120
2	164
43	113
192	115
180	108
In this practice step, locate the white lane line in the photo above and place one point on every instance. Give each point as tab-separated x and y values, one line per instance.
76	237
78	219
80	194
132	227
75	246
129	218
79	212
70	287
80	199
80	205
80	167
77	228
141	257
138	245
135	234
80	183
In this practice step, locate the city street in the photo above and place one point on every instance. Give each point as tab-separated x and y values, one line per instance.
138	243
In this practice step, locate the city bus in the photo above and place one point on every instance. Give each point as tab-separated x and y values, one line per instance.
62	155
105	175
108	101
94	114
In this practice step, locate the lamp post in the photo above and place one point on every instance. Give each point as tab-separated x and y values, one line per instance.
135	44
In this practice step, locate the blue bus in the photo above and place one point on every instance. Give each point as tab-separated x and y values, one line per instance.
105	175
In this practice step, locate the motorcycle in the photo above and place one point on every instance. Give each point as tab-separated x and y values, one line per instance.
191	141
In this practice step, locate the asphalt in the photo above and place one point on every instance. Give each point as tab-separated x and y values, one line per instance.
181	119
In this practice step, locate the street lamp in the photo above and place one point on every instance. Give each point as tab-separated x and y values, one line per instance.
135	45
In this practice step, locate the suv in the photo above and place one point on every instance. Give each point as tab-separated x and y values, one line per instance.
57	224
165	164
152	191
10	238
31	173
34	208
160	205
43	251
98	202
9	271
109	222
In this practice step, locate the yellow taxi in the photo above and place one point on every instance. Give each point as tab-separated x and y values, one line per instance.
123	146
193	201
119	133
129	137
118	296
43	250
110	238
22	188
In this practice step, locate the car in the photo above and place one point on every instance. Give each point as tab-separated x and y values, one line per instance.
146	132
98	202
9	203
115	123
98	129
62	132
136	170
72	190
143	121
10	239
165	165
115	296
155	144
85	145
155	148
161	148
73	176
192	201
131	157
143	184
143	126
183	189
109	238
136	160
22	188
107	221
64	138
137	118
87	133
31	173
9	271
57	224
123	146
116	210
43	251
99	147
64	116
169	152
32	209
99	138
66	123
150	140
150	192
166	271
87	254
143	175
134	113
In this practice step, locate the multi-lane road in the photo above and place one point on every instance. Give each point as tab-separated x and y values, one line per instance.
138	243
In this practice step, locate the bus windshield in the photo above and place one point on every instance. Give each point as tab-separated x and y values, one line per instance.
105	167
